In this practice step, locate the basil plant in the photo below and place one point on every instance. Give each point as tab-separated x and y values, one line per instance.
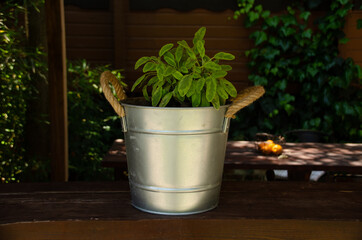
185	75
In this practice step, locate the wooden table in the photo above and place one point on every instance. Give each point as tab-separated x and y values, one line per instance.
243	155
247	210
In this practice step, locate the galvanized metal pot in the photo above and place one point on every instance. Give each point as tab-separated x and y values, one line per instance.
175	155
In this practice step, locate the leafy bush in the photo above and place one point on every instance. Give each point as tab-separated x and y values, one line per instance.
187	75
308	85
18	64
93	125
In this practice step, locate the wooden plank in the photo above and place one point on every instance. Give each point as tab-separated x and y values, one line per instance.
160	31
193	18
300	156
90	42
210	43
184	229
120	9
57	78
89	30
78	15
100	54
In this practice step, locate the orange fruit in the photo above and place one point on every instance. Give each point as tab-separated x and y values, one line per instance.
277	149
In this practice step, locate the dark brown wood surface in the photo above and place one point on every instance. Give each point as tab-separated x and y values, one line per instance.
247	210
57	78
299	156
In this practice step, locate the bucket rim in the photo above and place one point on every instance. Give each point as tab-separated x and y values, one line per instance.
171	108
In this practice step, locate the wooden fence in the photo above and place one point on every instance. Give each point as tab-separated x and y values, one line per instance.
119	36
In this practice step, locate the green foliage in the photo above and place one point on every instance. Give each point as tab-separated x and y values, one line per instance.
18	64
308	85
93	125
186	75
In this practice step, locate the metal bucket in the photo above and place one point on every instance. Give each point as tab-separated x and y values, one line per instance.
175	157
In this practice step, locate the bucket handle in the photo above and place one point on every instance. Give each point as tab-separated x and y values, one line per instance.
106	78
244	98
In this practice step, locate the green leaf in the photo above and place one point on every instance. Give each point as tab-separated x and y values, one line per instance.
307	33
150	66
211	85
165	48
141	61
216	102
200	48
152	81
265	14
204	102
229	87
222	93
305	15
343	40
200	84
145	93
138	82
166	99
184	69
359	23
156	96
212	66
170	61
191	90
199	35
169	71
179	53
177	75
272	21
191	53
184	85
226	68
196	99
287	31
259	37
219	74
253	16
184	44
224	56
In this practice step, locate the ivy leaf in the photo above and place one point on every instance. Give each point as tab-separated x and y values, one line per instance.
164	49
141	61
359	23
272	21
253	16
307	33
184	85
287	31
259	37
224	56
305	15
166	99
211	85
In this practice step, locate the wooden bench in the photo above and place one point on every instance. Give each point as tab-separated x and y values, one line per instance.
247	210
301	157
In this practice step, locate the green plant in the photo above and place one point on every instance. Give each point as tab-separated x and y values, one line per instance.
186	74
18	65
92	124
308	85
